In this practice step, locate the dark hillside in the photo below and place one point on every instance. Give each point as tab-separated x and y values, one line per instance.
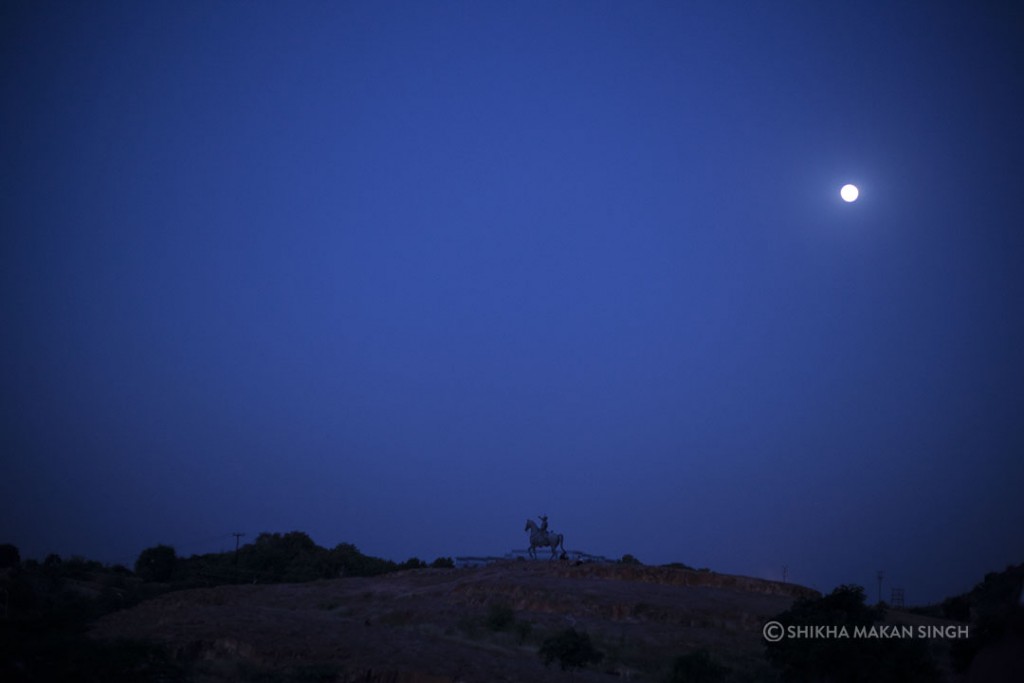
484	624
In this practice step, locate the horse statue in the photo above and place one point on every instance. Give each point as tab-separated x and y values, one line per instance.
540	537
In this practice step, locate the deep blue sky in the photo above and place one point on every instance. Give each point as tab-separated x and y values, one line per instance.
405	274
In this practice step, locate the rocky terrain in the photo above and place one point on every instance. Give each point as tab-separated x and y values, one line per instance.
447	625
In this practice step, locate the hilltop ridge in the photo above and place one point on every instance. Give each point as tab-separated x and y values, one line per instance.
439	624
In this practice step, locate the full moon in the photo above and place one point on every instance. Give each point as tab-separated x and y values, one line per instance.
849	193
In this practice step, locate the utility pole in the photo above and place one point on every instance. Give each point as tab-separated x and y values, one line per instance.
881	575
238	535
785	572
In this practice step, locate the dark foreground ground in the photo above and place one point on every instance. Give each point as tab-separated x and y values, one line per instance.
447	625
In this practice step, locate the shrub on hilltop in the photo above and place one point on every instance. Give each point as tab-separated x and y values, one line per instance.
9	556
346	560
156	563
283	558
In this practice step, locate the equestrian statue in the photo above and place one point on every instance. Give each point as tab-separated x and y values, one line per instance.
540	537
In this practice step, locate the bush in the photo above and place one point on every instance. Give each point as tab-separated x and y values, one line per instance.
349	561
9	556
846	660
277	558
629	559
572	650
957	608
413	563
443	563
156	563
679	565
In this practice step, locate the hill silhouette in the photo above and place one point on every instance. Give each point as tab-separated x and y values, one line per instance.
283	608
447	624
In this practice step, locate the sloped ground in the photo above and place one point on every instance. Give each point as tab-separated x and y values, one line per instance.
439	625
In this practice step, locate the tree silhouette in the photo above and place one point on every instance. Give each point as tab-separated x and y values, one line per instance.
156	563
846	659
9	556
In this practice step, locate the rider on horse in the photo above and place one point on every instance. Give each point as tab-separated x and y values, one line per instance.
541	537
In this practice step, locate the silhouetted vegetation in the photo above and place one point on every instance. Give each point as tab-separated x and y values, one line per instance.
292	557
413	563
845	659
49	605
679	565
156	563
9	556
572	650
500	618
994	609
348	561
42	652
284	558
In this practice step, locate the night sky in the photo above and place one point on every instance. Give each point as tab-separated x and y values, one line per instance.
405	274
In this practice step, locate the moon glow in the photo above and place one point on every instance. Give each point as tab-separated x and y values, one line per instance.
849	193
